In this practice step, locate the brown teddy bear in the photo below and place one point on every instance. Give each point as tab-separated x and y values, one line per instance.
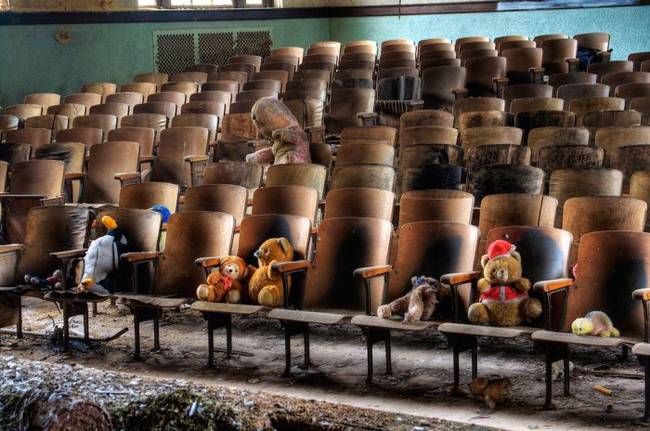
504	297
418	304
266	288
492	391
288	143
226	282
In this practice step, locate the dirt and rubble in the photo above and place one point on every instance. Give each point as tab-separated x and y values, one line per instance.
332	393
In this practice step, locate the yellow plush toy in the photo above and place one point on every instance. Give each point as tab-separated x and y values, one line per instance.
595	323
265	288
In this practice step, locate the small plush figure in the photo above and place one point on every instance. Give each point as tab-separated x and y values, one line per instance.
277	124
224	283
54	281
266	288
595	323
492	391
102	260
504	297
418	304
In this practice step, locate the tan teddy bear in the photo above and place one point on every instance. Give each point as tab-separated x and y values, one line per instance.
225	283
266	288
504	292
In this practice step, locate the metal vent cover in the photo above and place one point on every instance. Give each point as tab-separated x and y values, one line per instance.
175	50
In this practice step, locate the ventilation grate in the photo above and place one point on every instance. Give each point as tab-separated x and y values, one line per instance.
175	50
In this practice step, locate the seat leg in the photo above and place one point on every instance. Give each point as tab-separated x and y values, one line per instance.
156	333
369	345
566	376
287	350
646	368
474	362
19	318
210	344
456	354
389	363
136	336
95	312
228	338
306	345
66	326
548	404
84	312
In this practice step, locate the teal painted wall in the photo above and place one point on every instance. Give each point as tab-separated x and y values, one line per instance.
629	26
34	62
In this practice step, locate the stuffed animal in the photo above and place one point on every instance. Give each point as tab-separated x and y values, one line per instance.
266	288
54	281
418	304
595	323
277	124
226	282
492	391
504	297
102	260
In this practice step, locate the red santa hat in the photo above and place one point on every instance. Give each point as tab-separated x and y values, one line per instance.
500	248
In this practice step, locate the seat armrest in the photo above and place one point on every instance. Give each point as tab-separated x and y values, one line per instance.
145	159
128	178
459	93
196	159
368	118
549	286
641	294
537	73
208	262
19	196
460	277
574	64
372	271
52	202
74	176
141	256
501	84
290	267
69	254
11	248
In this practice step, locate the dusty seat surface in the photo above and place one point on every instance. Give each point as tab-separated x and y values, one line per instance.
220	307
583	340
487	331
323	318
392	324
154	301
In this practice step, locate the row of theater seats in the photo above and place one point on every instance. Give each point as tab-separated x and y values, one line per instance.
380	201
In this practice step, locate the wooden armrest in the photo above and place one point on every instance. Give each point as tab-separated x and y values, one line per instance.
460	277
132	176
67	254
501	81
573	64
208	262
74	176
145	159
141	256
553	285
196	159
11	248
314	230
641	294
459	91
536	69
372	271
50	202
367	115
289	267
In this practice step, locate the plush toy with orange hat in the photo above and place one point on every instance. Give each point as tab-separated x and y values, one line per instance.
102	260
504	297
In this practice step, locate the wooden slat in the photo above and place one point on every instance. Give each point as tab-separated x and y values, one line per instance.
306	316
482	331
583	340
220	307
641	349
155	301
397	325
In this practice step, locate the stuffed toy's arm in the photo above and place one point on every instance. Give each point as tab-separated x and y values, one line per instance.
483	285
264	156
522	285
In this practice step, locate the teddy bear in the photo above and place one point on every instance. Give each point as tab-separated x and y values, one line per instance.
595	323
266	288
504	297
226	282
418	304
492	391
287	141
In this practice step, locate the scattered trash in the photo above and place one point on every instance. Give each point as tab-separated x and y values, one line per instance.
603	390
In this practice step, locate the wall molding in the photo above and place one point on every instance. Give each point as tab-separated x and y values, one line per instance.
190	15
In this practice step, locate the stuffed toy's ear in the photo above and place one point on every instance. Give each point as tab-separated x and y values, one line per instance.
286	246
516	255
484	260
